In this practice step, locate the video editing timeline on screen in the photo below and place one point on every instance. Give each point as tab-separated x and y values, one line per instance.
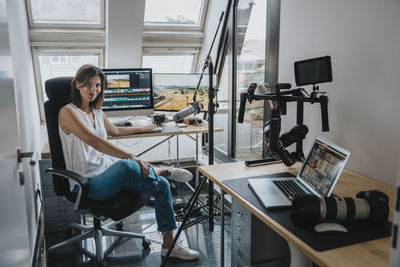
128	89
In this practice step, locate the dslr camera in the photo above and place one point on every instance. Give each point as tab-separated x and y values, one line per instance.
372	206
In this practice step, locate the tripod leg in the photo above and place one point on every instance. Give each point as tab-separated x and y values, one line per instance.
187	216
211	206
222	228
198	189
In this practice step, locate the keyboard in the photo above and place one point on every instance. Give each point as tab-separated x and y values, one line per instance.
290	188
122	124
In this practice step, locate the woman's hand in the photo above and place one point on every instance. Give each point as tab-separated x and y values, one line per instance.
151	128
143	165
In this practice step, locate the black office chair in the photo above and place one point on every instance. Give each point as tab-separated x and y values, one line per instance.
117	208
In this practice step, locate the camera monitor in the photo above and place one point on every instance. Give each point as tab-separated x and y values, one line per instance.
129	92
313	71
174	91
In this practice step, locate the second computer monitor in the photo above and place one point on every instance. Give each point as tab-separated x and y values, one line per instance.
174	91
129	92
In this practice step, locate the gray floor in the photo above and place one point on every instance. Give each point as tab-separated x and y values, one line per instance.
196	237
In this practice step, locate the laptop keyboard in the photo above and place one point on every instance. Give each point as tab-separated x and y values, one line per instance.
290	188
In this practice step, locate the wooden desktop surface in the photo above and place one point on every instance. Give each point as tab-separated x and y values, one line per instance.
372	253
190	129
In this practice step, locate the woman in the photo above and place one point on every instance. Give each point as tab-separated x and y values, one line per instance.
83	129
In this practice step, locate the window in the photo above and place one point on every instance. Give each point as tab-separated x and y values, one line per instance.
51	63
170	60
169	64
251	42
173	34
64	35
66	13
166	13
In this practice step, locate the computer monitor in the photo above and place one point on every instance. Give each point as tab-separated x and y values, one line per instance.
129	92
174	91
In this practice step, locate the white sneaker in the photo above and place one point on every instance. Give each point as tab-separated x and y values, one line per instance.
179	175
181	252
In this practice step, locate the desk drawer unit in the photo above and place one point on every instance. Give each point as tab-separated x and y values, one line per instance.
240	215
254	243
58	212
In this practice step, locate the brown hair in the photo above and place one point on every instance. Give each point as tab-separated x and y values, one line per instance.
83	75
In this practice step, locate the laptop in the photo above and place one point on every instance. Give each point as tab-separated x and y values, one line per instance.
317	176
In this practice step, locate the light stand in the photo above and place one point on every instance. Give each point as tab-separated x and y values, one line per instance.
211	111
195	196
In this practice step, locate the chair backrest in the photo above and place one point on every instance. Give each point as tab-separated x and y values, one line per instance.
57	91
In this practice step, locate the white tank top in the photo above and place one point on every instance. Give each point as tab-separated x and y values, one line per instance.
79	156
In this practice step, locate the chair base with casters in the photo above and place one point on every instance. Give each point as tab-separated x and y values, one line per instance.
97	231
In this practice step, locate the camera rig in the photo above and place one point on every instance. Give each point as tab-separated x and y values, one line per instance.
282	95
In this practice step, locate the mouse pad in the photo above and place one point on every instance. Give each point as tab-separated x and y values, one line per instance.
357	232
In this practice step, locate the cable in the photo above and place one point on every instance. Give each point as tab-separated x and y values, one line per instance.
126	119
131	145
169	151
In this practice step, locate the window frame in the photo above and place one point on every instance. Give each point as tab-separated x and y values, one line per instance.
168	51
33	24
60	50
181	27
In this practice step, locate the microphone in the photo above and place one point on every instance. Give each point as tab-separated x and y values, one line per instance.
195	108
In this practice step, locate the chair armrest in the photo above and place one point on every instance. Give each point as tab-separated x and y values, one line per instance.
70	175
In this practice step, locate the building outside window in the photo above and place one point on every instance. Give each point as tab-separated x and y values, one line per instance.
187	14
66	13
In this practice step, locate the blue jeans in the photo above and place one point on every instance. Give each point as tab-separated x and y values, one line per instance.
126	175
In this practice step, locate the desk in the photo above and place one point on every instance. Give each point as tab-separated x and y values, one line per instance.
372	253
190	129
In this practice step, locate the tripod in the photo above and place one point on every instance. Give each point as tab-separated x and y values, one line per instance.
194	198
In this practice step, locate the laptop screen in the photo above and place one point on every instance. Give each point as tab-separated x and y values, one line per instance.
322	167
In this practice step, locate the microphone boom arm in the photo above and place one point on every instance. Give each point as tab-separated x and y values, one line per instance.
207	58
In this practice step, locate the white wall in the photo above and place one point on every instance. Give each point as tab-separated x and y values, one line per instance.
395	251
27	104
124	33
362	37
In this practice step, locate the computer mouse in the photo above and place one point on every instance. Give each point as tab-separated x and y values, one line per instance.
330	227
